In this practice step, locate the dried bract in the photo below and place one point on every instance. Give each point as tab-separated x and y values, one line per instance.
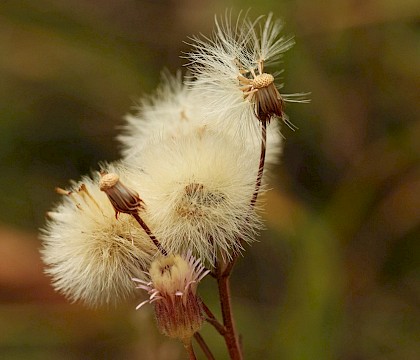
172	290
123	199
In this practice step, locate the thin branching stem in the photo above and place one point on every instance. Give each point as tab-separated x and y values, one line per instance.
229	266
149	233
211	319
261	164
231	337
204	346
190	350
232	262
223	272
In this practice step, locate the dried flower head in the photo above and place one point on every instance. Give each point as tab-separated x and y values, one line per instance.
198	189
172	290
90	255
123	199
263	94
229	70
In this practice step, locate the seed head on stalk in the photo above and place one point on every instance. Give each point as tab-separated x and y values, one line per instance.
90	255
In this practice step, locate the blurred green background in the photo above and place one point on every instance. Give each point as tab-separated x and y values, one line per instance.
336	274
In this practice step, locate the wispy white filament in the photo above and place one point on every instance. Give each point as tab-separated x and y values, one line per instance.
177	109
170	112
236	47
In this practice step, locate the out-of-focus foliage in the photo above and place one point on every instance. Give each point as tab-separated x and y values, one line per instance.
333	277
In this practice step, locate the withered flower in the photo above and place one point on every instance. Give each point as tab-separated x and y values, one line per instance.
172	290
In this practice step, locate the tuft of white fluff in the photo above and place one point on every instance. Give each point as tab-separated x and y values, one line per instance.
197	190
170	111
90	255
237	46
177	109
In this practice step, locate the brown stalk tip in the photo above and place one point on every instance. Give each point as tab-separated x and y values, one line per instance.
108	181
262	81
268	103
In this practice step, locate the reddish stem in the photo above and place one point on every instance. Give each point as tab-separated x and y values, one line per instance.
204	346
229	266
262	162
149	233
211	319
231	338
190	350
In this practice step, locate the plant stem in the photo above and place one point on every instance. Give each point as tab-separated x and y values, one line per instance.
223	272
190	350
229	266
262	162
231	338
204	347
149	233
211	319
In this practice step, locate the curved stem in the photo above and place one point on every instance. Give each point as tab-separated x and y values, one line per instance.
149	233
223	273
262	163
190	350
231	338
204	346
211	319
229	266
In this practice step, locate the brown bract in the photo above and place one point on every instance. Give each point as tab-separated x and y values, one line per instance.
263	94
122	198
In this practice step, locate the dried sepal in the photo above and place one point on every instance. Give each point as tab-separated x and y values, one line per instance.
262	93
123	199
172	290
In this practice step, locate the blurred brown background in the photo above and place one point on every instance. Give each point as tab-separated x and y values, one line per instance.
335	276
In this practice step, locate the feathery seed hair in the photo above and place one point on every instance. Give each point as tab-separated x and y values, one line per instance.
177	109
169	112
229	70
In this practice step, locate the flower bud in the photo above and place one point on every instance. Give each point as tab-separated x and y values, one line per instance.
122	198
172	289
266	98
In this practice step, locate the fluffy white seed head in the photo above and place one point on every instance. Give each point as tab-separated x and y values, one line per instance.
169	112
227	70
197	190
90	255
